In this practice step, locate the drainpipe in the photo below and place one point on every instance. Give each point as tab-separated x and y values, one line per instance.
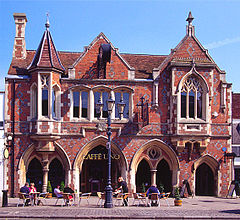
12	147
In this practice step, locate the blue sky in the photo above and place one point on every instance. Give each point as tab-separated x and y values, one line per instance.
146	27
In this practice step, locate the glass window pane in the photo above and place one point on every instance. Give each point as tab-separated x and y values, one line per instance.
117	100
84	97
96	98
53	103
76	104
183	104
126	109
105	96
45	102
191	104
199	105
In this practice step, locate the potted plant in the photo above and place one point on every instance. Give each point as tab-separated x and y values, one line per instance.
177	200
49	189
62	186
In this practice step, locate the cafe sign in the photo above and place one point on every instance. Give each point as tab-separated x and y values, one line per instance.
100	156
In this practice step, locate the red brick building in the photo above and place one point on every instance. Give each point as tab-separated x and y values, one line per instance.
175	124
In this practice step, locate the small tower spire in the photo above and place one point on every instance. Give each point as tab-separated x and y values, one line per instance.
47	25
190	18
190	27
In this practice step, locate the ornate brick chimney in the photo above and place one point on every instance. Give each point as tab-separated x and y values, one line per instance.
19	49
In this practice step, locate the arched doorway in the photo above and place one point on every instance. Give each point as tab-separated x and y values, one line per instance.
56	173
204	181
164	176
143	176
35	174
94	170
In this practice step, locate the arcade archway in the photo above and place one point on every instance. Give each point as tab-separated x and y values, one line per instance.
35	174
164	176
204	181
143	176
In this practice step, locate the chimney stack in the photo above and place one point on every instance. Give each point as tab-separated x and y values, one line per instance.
19	49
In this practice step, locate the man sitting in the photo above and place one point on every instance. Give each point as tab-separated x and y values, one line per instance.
26	191
153	189
57	192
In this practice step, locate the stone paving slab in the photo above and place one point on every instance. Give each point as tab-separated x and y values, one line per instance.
193	208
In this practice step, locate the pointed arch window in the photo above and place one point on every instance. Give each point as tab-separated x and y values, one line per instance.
33	101
45	101
191	98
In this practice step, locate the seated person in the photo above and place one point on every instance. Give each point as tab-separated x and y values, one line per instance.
67	189
153	189
122	186
32	194
25	190
57	192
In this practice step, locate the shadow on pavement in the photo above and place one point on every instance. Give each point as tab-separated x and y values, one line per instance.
236	211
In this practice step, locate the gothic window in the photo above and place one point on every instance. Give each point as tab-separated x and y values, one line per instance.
56	102
191	98
45	101
33	101
45	94
80	104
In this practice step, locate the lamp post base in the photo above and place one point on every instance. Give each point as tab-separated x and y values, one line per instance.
108	200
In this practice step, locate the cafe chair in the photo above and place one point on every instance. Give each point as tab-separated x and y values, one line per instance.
101	197
85	196
164	196
121	197
61	198
140	198
22	198
154	198
41	199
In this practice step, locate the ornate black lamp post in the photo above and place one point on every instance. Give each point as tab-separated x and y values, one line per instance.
110	103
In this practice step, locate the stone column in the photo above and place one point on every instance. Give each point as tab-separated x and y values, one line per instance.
45	163
153	176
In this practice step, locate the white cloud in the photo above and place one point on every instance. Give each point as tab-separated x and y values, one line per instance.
221	43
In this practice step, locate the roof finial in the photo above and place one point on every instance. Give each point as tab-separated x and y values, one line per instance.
47	25
190	18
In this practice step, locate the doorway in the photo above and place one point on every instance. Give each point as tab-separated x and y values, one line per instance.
93	177
164	176
35	174
143	176
56	173
204	181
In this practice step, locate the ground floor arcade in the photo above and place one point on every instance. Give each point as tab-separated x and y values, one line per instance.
155	162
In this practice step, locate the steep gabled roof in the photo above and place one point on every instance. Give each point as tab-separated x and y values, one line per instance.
101	35
46	55
187	44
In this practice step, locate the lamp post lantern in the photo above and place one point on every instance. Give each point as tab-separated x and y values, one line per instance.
110	103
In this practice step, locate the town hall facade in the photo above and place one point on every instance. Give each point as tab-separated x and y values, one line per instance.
175	126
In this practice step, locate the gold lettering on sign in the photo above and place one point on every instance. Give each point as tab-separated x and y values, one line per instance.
100	156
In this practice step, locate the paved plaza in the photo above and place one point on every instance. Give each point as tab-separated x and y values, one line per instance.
193	208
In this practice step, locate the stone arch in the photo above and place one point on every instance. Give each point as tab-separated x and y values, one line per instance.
100	140
167	153
30	153
213	165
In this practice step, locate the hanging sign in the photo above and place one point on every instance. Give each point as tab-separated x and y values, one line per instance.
100	156
6	153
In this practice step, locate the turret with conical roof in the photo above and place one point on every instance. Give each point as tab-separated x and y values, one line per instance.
46	56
